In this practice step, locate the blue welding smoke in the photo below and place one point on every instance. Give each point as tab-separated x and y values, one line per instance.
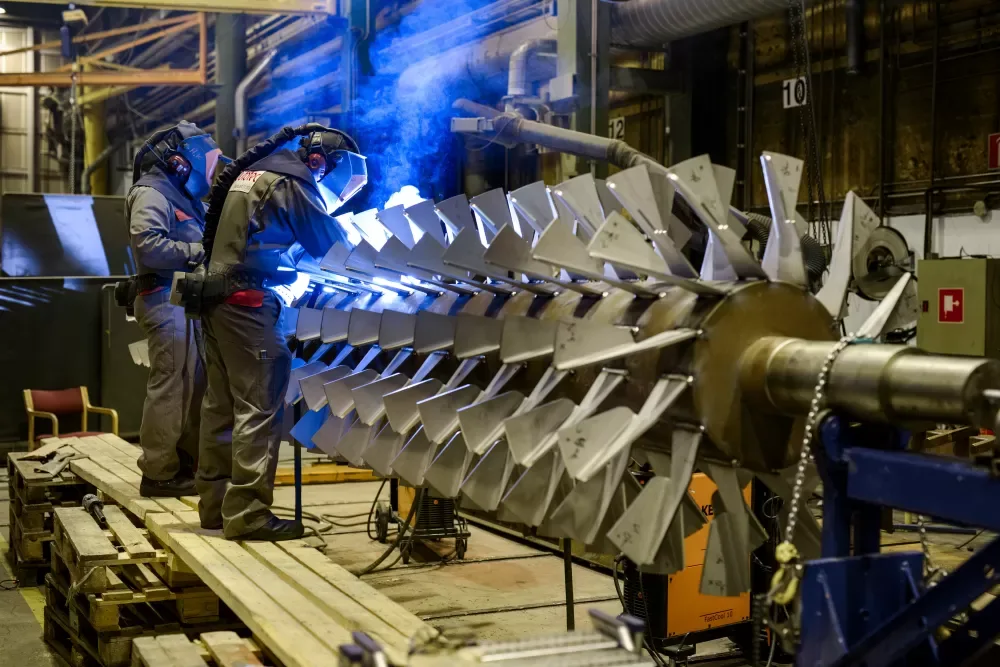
401	110
403	119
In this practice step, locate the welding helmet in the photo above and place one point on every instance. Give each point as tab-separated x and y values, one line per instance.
186	153
334	158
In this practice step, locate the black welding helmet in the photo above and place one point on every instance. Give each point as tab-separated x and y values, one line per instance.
185	152
334	158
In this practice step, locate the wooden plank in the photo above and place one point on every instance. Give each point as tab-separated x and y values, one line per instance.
309	615
122	445
274	626
115	487
229	650
407	623
176	505
130	537
147	652
181	651
324	473
346	611
86	537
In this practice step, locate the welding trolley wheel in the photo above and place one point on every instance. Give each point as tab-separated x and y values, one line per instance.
404	549
461	544
382	515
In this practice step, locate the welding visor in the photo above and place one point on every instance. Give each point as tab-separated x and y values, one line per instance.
348	176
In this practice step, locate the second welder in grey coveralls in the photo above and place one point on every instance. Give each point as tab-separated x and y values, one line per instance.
272	209
166	220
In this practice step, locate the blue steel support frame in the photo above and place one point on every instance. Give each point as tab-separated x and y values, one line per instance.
865	468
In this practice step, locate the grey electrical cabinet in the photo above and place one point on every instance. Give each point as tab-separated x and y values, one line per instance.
959	306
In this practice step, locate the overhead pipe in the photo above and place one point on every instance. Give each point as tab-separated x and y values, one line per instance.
511	129
96	164
241	99
517	74
653	23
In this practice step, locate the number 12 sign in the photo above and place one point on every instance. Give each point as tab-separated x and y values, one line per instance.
793	93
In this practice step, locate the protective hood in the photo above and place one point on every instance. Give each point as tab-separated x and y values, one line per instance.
348	176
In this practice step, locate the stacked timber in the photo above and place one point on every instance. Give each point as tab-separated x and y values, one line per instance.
102	591
35	488
219	649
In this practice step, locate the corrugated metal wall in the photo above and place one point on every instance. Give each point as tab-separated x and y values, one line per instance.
26	161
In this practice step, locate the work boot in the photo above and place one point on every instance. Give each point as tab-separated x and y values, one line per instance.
275	530
169	488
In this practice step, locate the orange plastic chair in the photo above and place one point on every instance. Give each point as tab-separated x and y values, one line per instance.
51	405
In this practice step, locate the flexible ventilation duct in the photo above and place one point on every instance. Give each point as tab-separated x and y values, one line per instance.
653	23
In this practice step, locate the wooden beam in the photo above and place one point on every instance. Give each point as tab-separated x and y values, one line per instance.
227	6
137	78
132	43
94	36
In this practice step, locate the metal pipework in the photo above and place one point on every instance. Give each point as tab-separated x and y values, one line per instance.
242	91
510	129
881	383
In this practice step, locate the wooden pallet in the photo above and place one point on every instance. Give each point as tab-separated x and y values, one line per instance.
299	605
73	633
33	496
219	649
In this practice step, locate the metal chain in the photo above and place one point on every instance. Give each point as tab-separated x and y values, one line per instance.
805	456
931	572
807	120
72	134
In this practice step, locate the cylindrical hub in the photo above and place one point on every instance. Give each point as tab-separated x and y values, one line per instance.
886	383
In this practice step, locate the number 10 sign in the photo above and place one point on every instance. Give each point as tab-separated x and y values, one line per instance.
793	93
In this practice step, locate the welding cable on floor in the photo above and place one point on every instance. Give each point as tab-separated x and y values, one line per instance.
413	514
318	531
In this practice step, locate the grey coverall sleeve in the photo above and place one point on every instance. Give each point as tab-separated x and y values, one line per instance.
313	227
150	228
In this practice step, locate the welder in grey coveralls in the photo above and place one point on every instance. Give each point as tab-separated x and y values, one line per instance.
166	218
273	212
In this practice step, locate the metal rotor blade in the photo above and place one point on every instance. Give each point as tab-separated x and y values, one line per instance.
510	251
493	210
476	335
293	393
426	219
445	473
619	242
583	514
456	214
396	329
413	459
533	205
582	343
873	326
560	247
526	338
833	294
715	265
482	422
585	452
783	258
401	405
335	323
383	448
338	392
308	324
312	385
329	434
439	414
580	197
525	431
733	534
644	526
363	327
394	219
433	332
355	441
368	397
694	180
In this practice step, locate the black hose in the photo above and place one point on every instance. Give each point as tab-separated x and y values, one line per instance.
220	190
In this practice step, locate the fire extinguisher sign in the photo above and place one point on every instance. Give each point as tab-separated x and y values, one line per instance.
951	305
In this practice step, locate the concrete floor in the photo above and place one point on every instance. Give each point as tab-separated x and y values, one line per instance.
20	609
